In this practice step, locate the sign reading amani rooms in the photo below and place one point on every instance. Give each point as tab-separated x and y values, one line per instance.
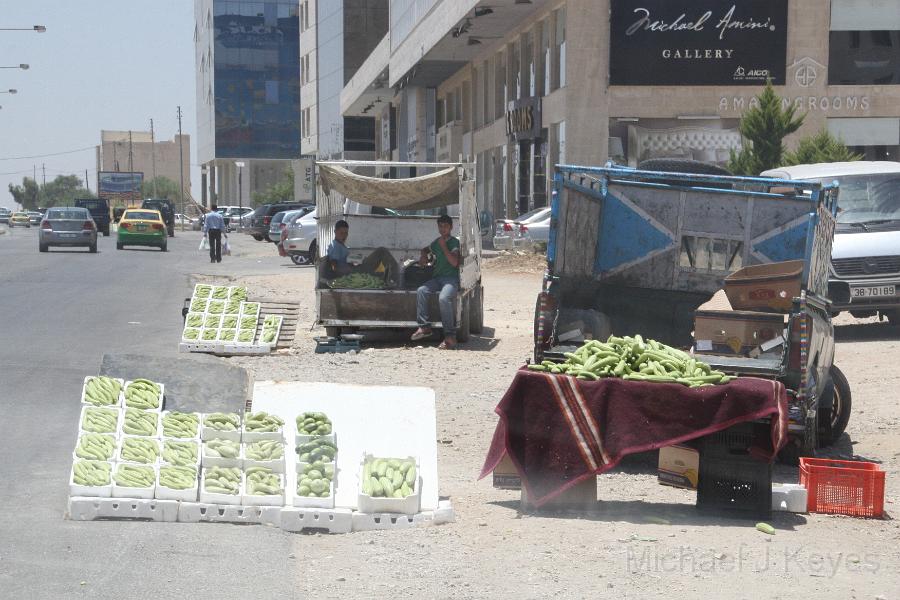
697	42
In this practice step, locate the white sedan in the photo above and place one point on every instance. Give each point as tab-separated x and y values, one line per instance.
506	231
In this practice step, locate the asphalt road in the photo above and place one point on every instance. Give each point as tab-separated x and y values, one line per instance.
61	311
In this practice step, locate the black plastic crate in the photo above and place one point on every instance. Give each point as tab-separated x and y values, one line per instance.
735	483
736	440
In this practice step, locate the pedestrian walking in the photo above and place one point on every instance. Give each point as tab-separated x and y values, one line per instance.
213	229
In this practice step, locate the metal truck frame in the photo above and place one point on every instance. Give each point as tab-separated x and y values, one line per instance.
346	310
639	251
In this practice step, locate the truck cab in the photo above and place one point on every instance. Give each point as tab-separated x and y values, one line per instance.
99	209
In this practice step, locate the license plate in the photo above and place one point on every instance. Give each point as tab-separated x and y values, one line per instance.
141	227
68	235
873	291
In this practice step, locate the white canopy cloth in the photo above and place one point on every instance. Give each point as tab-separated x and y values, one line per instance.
440	188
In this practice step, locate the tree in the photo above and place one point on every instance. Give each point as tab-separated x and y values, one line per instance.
820	148
764	128
165	188
62	191
283	191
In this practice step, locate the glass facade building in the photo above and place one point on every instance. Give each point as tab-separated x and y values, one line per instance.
256	79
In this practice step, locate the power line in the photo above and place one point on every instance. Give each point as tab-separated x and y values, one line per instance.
51	154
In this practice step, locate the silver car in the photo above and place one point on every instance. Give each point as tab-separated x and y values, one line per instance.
280	221
67	226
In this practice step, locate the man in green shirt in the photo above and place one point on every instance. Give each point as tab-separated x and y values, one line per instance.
444	281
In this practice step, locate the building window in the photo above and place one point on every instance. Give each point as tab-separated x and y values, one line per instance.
528	64
559	49
477	92
864	57
487	105
514	70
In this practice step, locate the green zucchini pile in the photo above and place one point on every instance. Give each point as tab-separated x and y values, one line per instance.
634	359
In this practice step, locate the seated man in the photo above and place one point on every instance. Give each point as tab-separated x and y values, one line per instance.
445	280
337	252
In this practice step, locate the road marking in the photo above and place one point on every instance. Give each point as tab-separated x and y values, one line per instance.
134	322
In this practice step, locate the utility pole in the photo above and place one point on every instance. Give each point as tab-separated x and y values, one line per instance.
153	154
44	171
181	166
34	178
87	185
131	168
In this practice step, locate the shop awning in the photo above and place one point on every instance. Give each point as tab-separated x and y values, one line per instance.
440	188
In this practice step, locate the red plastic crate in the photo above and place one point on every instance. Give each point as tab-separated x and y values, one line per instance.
843	487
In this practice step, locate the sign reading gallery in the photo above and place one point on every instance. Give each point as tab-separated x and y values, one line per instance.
697	42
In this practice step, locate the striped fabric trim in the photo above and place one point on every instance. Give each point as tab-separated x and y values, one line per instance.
583	446
782	418
588	419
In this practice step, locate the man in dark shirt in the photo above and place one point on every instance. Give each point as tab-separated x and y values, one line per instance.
445	281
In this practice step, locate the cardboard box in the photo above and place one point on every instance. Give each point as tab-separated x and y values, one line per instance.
734	331
679	466
505	475
770	286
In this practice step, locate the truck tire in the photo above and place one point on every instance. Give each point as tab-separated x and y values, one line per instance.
258	238
683	165
42	247
106	231
476	318
893	317
333	332
834	407
465	321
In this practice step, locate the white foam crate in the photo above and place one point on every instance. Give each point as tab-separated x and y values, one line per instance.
195	315
274	342
186	495
216	289
303	438
213	304
90	509
99	491
156	433
109	459
162	434
314	501
85	408
248	499
209	345
222	342
226	321
219	461
385	521
256	436
194	293
334	520
162	447
197	305
245	348
162	395
197	512
216	498
119	399
188	341
244	309
122	491
210	433
252	342
212	321
232	289
407	506
121	459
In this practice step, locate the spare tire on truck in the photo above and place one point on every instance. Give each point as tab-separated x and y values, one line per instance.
683	165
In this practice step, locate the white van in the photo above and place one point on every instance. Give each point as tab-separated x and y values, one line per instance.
865	257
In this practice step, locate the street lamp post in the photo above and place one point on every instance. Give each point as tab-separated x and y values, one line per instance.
9	91
35	28
22	66
240	165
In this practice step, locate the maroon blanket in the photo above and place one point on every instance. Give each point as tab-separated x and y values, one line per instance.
559	430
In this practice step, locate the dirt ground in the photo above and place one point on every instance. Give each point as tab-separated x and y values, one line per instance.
643	540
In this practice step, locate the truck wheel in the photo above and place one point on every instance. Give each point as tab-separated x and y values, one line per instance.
834	408
93	248
333	332
106	231
683	165
42	247
119	245
299	259
476	318
893	317
258	238
465	321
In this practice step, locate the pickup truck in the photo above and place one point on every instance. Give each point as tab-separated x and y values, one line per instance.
99	209
166	208
638	252
400	215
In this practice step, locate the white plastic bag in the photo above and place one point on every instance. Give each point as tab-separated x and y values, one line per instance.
226	247
204	244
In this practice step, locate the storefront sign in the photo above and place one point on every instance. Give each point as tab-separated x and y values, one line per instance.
697	42
523	119
803	103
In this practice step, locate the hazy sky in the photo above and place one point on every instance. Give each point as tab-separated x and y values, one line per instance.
102	64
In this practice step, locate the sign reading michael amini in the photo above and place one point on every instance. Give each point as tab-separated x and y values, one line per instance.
697	42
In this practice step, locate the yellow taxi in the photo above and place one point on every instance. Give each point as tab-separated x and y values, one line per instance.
141	227
20	219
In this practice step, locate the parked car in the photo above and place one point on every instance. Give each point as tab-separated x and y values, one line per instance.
246	218
290	217
19	219
184	220
67	226
864	278
142	227
5	214
99	209
534	231
505	230
276	225
34	217
262	217
300	238
166	209
233	214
